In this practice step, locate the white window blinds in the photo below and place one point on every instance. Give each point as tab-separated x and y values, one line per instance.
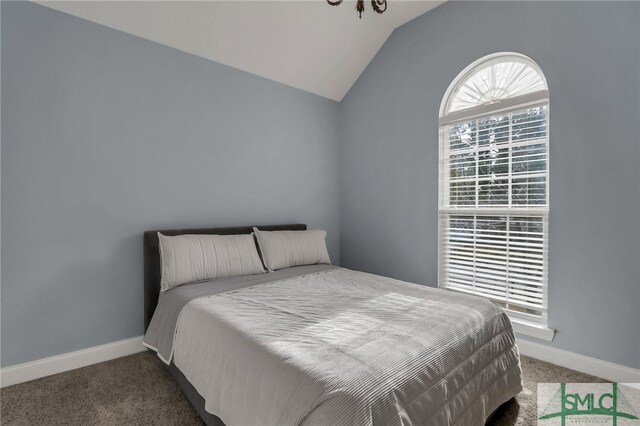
494	204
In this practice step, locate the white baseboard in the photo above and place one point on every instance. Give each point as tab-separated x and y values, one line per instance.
582	363
69	361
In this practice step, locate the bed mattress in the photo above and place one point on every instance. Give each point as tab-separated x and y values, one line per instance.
324	345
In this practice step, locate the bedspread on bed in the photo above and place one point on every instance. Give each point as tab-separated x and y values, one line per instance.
345	347
160	334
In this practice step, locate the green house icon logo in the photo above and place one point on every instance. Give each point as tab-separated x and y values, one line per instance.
600	400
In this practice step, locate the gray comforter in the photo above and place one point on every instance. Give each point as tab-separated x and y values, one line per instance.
160	334
334	346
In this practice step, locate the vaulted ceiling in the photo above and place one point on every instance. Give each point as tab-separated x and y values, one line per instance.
309	45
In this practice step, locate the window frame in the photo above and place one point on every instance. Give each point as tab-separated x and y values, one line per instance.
529	324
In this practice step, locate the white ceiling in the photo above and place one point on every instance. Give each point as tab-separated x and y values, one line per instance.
305	44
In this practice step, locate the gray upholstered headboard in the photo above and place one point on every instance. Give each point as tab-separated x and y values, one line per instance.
152	256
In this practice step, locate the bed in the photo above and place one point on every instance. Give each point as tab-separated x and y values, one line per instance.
319	344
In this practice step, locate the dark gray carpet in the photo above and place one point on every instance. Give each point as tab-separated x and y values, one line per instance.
137	390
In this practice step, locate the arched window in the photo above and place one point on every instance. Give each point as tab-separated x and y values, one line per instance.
494	182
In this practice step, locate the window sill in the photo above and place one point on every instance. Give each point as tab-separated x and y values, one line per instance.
531	329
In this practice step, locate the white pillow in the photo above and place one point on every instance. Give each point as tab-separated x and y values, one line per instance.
284	249
189	258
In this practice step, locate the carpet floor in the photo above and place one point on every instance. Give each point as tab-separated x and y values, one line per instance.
137	390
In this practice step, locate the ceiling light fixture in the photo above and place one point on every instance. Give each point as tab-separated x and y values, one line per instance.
378	5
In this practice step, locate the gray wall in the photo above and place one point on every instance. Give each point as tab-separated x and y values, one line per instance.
389	155
106	135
